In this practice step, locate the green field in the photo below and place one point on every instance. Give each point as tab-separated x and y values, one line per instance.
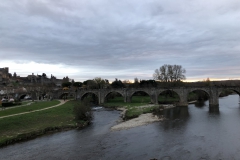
118	101
37	123
20	126
31	107
136	101
133	108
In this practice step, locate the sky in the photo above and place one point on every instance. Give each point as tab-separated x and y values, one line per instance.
126	39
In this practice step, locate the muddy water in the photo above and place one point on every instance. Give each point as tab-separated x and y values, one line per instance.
189	133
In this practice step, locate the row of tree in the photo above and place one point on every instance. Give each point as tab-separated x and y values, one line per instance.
166	76
166	73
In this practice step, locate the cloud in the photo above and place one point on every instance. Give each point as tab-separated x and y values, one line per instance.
117	39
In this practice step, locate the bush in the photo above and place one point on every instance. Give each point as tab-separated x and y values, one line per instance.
82	111
132	113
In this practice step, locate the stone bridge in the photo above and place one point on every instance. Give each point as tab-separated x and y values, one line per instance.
55	94
59	94
183	92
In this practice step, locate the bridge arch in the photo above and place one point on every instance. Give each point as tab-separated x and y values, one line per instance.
138	91
61	95
167	91
71	95
133	93
22	96
90	93
200	89
230	89
106	96
198	96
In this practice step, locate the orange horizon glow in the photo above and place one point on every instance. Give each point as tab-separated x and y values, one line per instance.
211	79
199	80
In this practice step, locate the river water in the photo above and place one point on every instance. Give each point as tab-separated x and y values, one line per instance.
188	133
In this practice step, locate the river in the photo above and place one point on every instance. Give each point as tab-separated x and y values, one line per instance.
189	133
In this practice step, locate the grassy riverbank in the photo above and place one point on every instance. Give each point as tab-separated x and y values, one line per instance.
32	107
138	106
141	104
136	101
30	125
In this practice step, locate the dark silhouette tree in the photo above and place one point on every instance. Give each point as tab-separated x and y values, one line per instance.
117	84
169	73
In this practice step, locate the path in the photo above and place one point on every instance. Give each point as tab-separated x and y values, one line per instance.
61	103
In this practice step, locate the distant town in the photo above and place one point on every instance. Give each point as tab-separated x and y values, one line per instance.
8	79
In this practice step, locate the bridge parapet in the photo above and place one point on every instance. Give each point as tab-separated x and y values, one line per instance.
213	93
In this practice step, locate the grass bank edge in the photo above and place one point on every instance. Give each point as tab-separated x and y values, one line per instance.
32	107
32	125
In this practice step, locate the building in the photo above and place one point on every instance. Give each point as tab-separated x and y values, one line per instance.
4	75
6	78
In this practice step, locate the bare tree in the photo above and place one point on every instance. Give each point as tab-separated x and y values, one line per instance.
169	73
178	73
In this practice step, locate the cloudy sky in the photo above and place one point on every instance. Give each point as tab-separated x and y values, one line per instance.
122	39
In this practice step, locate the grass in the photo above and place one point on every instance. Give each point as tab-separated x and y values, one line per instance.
168	99
25	102
31	107
192	96
136	101
134	112
22	125
17	103
133	108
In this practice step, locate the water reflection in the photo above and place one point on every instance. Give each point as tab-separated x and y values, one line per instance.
176	113
187	133
200	104
175	118
214	111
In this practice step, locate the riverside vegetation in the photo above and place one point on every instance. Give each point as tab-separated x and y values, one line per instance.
31	125
70	115
140	104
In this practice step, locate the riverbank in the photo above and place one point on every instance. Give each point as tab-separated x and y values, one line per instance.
138	112
143	119
31	135
138	117
33	107
28	126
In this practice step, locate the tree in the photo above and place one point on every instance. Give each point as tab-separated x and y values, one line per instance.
126	83
96	83
82	111
77	84
89	84
44	75
66	84
148	83
169	73
102	83
117	84
136	83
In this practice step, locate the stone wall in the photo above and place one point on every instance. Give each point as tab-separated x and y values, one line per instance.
183	92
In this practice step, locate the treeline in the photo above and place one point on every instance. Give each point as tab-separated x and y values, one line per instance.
166	76
99	83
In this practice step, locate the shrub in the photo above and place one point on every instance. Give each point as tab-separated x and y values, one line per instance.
82	111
